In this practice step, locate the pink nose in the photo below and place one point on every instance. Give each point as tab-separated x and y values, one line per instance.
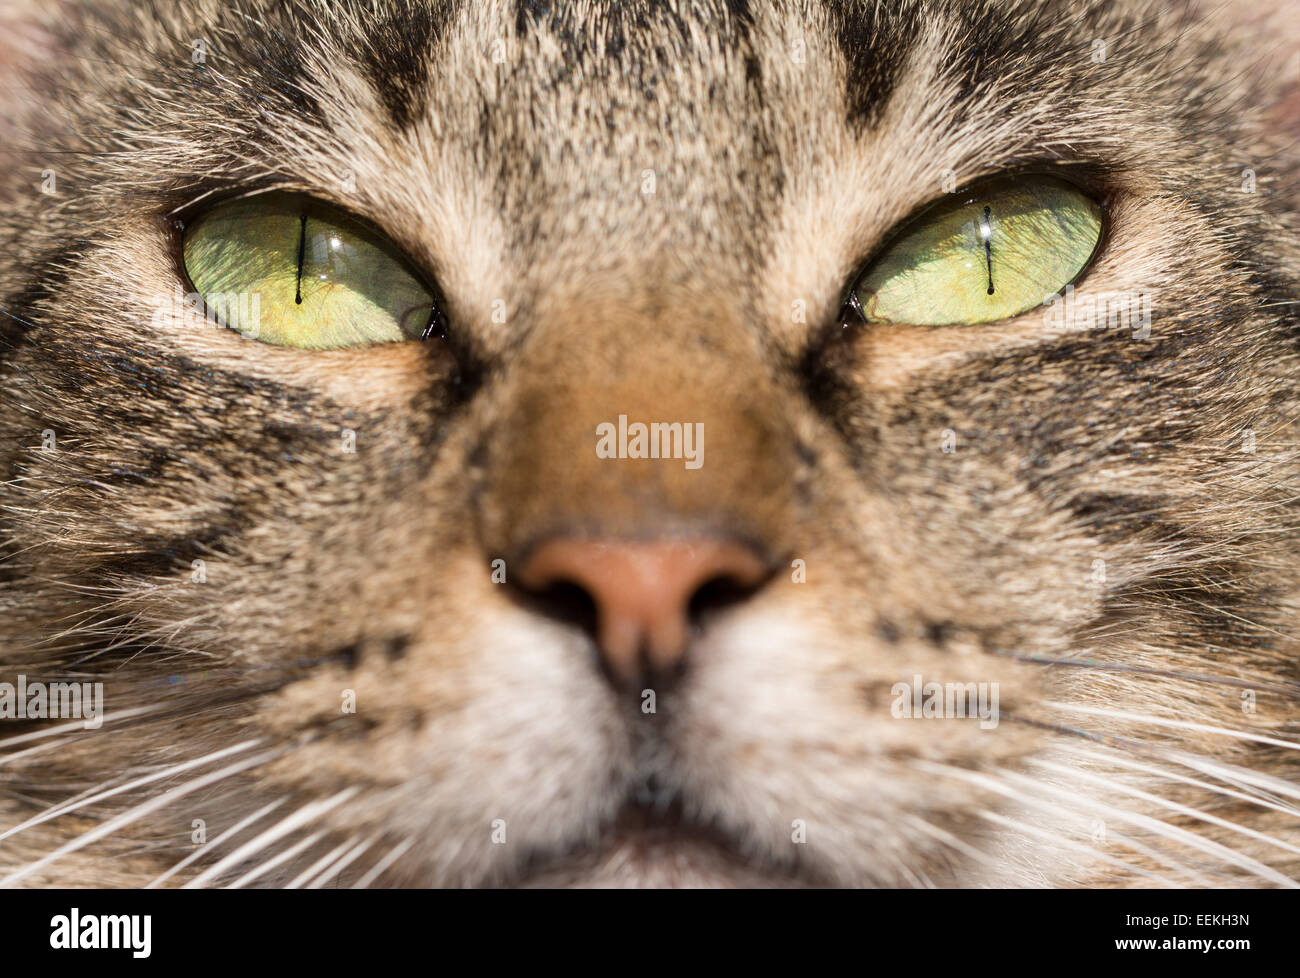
642	591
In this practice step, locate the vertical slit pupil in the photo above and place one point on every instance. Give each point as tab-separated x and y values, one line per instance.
988	245
302	250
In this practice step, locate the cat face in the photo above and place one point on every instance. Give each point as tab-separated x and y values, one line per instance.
439	610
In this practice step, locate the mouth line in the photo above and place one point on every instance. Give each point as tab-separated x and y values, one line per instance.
650	821
657	842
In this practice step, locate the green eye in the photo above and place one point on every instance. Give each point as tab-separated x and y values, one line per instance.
992	251
304	275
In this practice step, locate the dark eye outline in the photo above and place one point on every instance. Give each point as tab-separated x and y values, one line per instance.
1086	180
186	217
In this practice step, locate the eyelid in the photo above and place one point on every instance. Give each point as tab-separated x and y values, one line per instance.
970	191
186	214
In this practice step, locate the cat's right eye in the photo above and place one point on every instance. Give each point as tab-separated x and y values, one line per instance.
310	276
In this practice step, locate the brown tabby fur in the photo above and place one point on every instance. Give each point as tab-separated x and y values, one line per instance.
1102	506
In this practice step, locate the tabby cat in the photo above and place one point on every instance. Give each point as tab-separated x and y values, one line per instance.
512	443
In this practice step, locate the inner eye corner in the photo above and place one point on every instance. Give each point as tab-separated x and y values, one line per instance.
852	309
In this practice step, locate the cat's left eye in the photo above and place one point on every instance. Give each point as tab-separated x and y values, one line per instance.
991	251
307	275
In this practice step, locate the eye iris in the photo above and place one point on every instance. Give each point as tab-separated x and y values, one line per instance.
992	252
319	279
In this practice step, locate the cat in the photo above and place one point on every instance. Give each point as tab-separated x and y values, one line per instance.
381	614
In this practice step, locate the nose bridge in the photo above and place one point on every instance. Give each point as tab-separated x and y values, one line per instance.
632	425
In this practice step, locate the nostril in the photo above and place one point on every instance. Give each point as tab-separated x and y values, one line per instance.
720	593
562	601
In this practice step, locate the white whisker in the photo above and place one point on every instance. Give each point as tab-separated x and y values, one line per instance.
1179	724
950	840
1171	805
38	749
303	816
235	829
1073	816
257	872
1074	798
320	864
1056	839
1161	829
1235	774
348	858
78	725
74	804
1121	760
377	870
134	814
